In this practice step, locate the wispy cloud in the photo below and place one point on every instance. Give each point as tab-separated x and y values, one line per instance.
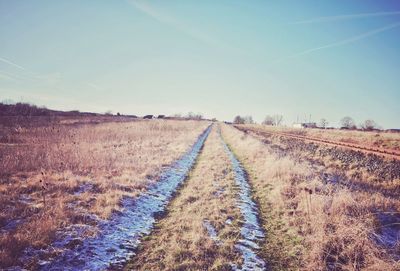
23	73
53	80
12	63
166	19
343	42
347	17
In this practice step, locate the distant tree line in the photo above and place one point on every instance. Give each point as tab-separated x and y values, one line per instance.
190	115
23	109
194	116
30	110
368	125
277	120
11	109
273	120
243	120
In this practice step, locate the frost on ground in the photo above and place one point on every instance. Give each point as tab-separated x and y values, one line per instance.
388	233
212	232
251	230
118	237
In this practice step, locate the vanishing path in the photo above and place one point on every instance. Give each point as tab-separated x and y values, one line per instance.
251	230
378	151
211	224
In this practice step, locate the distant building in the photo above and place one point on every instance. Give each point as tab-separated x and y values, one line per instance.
305	125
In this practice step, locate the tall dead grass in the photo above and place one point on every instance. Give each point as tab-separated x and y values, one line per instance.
60	174
311	225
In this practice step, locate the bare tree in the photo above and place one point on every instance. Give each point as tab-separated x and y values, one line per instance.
278	120
248	120
198	116
194	116
369	125
323	123
238	120
347	123
275	120
269	120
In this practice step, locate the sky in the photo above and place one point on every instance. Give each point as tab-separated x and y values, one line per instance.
301	59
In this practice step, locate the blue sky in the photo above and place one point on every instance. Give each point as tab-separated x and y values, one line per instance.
327	59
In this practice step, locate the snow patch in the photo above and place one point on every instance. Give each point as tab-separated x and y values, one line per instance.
212	232
251	230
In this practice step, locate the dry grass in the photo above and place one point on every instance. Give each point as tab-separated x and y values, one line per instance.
371	139
367	171
311	225
180	240
76	170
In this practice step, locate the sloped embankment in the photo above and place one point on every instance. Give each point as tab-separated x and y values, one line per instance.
313	224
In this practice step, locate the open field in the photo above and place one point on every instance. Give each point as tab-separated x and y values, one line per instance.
176	195
375	142
316	216
199	135
62	174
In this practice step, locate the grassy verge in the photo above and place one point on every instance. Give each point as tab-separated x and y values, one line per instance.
56	175
310	225
282	247
180	240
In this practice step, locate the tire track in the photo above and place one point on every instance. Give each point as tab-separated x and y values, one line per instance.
251	232
119	236
202	223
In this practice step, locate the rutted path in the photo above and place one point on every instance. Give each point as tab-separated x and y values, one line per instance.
251	231
211	224
201	225
119	237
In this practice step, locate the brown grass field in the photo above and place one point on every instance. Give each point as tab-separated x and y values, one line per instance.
89	166
321	207
385	142
313	225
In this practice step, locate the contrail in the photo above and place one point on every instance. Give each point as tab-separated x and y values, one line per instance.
12	63
28	73
166	19
347	17
345	41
